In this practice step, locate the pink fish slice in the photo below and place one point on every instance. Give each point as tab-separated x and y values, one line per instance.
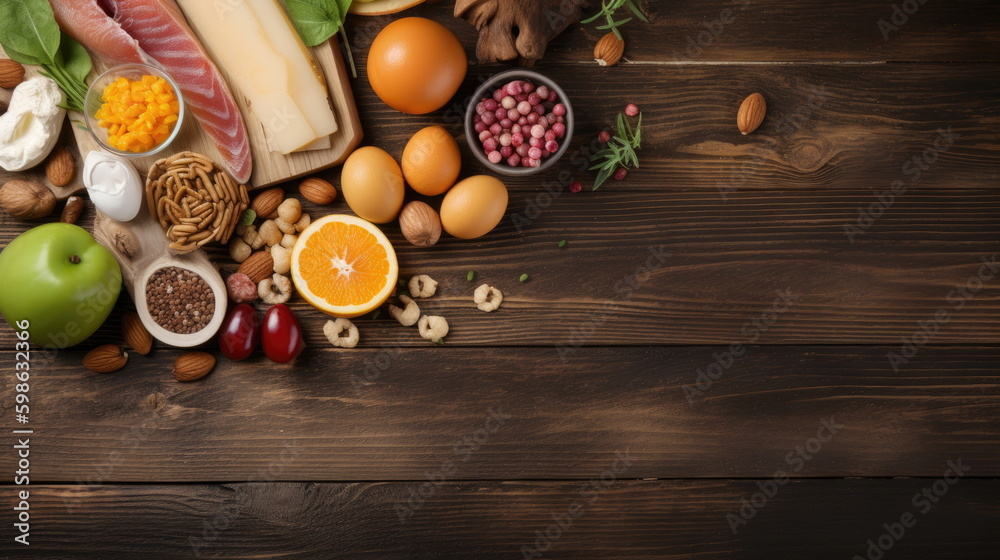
122	30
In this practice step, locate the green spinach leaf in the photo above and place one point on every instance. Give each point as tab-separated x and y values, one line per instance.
316	20
28	29
74	59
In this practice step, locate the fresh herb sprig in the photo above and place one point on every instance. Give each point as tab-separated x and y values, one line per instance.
608	10
30	35
620	151
318	20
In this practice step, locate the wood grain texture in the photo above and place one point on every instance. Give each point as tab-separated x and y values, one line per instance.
821	519
760	31
395	415
717	266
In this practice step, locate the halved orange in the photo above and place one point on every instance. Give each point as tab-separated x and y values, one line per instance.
344	266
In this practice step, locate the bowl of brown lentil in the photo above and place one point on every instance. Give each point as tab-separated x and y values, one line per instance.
181	301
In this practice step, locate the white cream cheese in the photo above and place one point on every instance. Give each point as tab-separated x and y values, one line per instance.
114	185
30	127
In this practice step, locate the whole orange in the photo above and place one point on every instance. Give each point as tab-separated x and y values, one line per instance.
416	65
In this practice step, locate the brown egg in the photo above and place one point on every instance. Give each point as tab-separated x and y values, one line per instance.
372	185
416	65
431	161
473	207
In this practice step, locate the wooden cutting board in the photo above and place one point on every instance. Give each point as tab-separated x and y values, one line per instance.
269	167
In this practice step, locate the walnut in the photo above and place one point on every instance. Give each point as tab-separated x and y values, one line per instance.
487	298
422	286
334	329
274	290
408	316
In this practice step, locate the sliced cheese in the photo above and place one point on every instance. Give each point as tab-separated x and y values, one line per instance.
237	42
308	85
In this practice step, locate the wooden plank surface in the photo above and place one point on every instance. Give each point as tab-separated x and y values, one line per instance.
763	31
816	519
394	415
717	266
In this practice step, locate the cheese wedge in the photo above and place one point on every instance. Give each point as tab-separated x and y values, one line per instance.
238	41
308	85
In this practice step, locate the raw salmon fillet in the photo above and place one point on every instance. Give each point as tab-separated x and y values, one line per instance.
87	22
158	30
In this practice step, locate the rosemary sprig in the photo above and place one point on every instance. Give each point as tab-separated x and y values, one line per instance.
608	10
620	152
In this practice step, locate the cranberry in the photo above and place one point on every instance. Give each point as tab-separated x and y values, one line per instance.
604	136
496	129
490	105
484	135
516	139
527	87
489	118
575	186
522	150
521	98
514	88
558	109
535	153
537	131
506	123
552	97
631	109
543	92
621	174
536	142
497	95
508	102
505	139
532	118
550	135
480	108
559	129
524	107
543	122
494	157
507	151
281	335
515	128
480	126
240	332
514	160
514	115
500	113
522	121
552	146
534	99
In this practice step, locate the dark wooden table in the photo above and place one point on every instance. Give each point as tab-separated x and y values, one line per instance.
703	371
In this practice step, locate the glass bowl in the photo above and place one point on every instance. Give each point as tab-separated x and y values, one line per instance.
486	90
133	72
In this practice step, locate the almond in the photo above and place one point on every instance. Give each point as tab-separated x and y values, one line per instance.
751	113
11	73
420	224
105	359
26	200
192	366
318	191
72	210
135	333
609	50
258	266
267	202
60	168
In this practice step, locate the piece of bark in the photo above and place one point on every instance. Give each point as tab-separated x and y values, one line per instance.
518	30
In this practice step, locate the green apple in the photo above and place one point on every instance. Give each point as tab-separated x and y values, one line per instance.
59	279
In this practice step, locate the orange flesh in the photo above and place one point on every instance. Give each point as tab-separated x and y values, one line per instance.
344	264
